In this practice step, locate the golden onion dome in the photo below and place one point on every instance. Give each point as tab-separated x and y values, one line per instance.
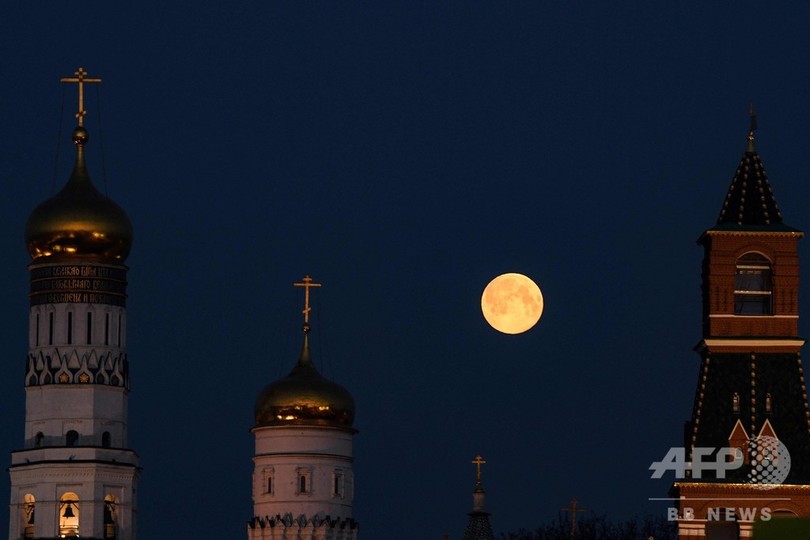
79	220
304	397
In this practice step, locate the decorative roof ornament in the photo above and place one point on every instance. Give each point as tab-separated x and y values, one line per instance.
750	203
79	220
306	283
574	511
304	396
80	79
478	527
478	461
753	127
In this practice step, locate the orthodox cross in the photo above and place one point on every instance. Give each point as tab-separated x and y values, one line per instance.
80	79
306	284
574	510
478	461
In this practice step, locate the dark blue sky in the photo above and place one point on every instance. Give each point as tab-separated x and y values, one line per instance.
403	154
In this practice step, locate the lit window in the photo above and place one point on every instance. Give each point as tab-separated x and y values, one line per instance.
110	517
28	515
753	285
69	515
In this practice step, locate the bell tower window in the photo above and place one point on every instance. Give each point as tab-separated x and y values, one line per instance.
753	286
110	518
28	516
69	515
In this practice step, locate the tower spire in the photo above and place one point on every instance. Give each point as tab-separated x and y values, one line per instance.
75	474
478	526
750	203
306	491
751	149
80	79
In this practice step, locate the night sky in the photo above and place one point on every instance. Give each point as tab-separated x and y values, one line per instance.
404	154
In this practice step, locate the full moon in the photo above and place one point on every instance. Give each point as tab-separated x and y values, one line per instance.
512	303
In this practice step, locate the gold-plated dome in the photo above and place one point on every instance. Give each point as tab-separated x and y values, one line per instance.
79	220
304	397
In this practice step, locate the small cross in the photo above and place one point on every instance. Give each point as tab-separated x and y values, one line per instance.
80	79
574	510
478	461
306	284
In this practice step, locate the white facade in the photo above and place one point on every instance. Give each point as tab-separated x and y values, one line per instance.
75	475
303	485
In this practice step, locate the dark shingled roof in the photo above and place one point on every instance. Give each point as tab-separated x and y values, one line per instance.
750	203
752	378
479	528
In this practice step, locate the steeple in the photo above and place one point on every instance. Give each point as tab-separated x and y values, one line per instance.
304	396
75	475
303	484
478	526
79	220
750	203
751	388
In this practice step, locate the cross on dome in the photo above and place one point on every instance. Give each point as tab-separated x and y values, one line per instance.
80	79
306	283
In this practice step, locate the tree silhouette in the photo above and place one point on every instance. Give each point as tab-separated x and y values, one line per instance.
600	528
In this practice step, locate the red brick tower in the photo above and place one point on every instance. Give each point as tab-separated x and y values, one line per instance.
751	382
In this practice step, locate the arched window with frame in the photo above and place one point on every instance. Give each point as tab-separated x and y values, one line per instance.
753	285
69	515
28	516
304	481
71	438
106	439
110	517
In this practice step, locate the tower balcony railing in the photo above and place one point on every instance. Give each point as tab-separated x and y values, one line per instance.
73	453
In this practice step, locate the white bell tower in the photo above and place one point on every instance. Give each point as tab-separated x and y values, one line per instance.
303	485
75	475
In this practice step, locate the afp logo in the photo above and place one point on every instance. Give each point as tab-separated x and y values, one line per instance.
768	457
